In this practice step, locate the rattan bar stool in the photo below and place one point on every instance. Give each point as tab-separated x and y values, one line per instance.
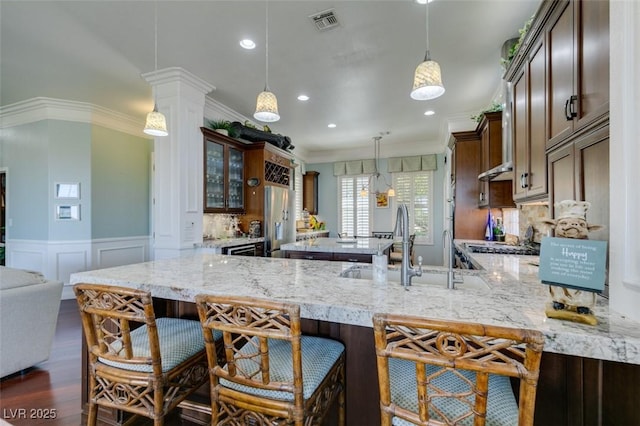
433	372
146	370
270	372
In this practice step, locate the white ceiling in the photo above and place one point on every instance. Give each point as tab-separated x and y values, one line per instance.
358	75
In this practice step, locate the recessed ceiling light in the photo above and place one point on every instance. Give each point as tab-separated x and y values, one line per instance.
430	112
247	44
423	1
331	125
303	98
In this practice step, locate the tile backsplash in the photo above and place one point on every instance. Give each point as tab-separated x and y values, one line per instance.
533	215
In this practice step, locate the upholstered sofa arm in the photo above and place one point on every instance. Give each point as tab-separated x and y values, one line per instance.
28	316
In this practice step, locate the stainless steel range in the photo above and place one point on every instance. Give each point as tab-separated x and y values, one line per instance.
497	248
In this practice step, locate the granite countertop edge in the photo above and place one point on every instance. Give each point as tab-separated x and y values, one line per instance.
516	297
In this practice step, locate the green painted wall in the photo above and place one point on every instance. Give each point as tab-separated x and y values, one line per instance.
112	168
120	184
68	154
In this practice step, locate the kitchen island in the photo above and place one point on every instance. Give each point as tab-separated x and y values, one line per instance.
337	249
342	307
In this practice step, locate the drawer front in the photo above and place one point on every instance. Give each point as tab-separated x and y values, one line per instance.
309	255
352	257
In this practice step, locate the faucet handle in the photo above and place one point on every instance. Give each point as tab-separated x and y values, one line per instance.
419	271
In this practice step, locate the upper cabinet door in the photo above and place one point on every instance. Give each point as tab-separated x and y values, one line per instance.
578	67
223	174
561	57
214	185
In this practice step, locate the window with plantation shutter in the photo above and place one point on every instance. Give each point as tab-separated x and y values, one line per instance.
297	186
415	189
355	210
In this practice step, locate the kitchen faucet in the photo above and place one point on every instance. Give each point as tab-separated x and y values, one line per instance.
402	229
447	237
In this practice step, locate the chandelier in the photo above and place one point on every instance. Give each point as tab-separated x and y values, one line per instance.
375	177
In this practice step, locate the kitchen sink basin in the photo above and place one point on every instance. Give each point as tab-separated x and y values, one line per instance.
434	278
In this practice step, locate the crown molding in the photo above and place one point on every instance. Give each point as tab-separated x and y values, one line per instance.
41	108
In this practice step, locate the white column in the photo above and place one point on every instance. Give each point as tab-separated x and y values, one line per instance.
624	259
178	157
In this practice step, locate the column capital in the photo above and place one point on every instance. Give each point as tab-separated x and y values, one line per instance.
177	75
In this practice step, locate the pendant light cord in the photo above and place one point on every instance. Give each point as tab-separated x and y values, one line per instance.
427	55
155	35
266	56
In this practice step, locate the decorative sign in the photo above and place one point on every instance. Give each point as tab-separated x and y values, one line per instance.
573	263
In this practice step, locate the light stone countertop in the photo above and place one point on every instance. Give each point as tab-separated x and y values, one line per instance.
337	245
516	298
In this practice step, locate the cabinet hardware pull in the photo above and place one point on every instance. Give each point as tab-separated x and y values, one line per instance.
523	180
569	108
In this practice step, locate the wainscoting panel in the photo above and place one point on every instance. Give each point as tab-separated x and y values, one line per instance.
115	253
57	260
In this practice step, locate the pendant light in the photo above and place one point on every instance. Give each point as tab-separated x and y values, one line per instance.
267	103
427	81
376	175
156	124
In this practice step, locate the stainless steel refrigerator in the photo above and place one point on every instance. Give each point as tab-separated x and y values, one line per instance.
279	219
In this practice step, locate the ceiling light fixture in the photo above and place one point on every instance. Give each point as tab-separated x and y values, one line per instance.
430	112
427	81
247	44
267	103
331	126
156	124
390	191
303	98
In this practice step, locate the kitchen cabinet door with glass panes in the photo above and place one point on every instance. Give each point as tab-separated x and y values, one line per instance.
223	178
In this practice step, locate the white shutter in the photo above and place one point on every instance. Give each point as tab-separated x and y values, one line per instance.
298	188
415	189
355	210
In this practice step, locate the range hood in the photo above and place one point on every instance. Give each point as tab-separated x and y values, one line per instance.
503	171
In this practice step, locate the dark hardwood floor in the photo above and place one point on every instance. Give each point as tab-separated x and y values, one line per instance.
52	387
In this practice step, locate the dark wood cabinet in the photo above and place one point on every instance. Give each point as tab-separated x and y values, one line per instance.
223	173
310	192
579	170
578	67
469	220
265	164
529	140
493	193
560	80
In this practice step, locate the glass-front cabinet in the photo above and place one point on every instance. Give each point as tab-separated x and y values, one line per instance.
223	175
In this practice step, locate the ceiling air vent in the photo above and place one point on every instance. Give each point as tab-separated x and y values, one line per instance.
325	20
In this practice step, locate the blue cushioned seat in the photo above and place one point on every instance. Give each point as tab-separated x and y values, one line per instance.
179	340
318	356
502	408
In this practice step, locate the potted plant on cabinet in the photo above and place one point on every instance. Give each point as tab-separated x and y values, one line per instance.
220	126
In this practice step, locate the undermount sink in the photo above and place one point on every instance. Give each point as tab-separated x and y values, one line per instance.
434	278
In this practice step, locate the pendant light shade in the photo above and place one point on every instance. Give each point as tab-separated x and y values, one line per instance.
427	80
156	123
267	107
267	103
